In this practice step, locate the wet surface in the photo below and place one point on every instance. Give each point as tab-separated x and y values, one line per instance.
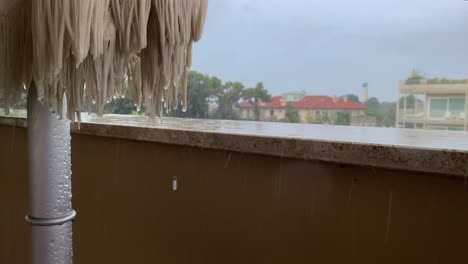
443	152
364	135
414	138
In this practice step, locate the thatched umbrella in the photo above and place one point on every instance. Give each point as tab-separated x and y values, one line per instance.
72	54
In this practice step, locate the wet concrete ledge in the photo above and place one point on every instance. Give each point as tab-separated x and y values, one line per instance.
442	152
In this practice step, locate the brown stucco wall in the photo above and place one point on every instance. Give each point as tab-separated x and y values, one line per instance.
237	208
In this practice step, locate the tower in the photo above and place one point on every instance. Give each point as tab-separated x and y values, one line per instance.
365	85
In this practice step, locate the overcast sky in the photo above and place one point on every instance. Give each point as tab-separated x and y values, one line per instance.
330	47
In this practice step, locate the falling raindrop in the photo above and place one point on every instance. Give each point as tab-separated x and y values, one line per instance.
12	148
227	160
174	183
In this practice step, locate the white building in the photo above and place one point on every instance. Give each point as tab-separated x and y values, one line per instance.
432	104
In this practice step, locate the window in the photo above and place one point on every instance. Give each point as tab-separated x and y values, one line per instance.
456	105
438	108
446	108
442	128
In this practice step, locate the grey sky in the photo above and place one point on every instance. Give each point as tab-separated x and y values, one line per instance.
329	47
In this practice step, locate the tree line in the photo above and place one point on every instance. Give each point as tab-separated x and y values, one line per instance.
204	91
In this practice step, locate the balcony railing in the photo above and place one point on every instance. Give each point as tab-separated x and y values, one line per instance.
434	86
435	81
414	116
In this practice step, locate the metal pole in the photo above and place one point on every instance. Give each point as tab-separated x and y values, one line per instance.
50	208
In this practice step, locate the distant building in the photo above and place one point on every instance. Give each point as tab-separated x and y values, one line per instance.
312	110
432	104
212	107
294	96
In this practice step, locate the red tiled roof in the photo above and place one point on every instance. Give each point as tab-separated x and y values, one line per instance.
309	102
326	102
246	105
276	102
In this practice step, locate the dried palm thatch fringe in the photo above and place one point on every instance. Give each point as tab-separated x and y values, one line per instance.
87	49
15	49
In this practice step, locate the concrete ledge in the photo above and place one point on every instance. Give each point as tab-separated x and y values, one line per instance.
442	152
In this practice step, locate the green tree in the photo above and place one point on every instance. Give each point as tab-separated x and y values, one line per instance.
21	104
291	115
373	103
415	76
373	109
342	118
254	95
353	98
388	110
228	98
2	101
384	112
123	106
201	89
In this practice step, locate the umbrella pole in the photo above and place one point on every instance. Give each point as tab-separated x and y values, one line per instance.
50	210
